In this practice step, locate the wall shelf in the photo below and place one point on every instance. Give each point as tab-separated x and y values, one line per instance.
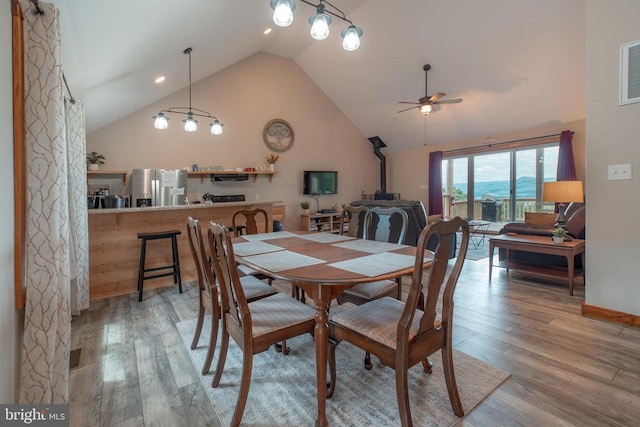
99	173
203	174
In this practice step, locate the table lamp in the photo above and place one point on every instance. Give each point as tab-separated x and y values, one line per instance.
562	192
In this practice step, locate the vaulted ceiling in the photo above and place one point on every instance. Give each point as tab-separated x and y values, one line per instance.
517	64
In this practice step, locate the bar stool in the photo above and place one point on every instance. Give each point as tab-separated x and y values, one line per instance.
175	267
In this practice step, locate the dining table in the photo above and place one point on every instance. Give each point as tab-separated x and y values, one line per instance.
324	265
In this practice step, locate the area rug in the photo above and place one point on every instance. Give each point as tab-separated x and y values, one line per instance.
478	249
283	388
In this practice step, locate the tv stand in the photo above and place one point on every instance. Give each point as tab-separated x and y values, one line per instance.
327	222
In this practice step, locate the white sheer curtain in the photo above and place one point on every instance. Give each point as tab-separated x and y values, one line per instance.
78	221
53	237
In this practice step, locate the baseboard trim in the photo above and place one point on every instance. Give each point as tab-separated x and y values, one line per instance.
610	315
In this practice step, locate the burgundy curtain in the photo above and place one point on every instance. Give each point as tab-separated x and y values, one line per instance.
435	183
566	164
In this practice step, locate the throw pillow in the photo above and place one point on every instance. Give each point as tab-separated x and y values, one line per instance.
540	218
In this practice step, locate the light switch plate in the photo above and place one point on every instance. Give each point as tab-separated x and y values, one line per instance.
619	172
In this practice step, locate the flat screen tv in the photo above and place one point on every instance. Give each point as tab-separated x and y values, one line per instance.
320	182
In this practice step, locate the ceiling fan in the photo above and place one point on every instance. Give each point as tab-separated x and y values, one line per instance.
429	104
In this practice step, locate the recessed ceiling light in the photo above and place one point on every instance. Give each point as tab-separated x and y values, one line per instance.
159	79
267	31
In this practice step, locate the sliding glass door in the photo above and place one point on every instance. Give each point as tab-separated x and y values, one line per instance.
499	186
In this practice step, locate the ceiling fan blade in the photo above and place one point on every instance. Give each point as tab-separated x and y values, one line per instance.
407	109
449	101
437	96
407	102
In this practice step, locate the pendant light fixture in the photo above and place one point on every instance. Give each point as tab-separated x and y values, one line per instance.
161	121
320	21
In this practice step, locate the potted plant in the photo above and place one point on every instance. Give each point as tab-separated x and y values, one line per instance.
272	159
305	208
559	234
94	160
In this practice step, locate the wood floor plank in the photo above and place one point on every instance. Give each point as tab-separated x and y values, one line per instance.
161	401
197	406
85	408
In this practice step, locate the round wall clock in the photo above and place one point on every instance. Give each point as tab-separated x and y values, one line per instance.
278	135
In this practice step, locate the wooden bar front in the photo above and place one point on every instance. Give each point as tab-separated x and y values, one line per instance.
114	248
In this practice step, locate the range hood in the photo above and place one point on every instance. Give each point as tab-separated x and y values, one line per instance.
230	177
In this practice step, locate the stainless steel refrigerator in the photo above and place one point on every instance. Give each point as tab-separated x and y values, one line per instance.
158	187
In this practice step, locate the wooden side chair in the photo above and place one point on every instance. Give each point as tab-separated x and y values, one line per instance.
352	221
250	225
254	327
208	295
400	334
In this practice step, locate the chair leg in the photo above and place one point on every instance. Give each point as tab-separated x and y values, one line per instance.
245	382
367	361
402	393
281	347
427	366
143	251
331	359
196	335
450	379
224	345
213	338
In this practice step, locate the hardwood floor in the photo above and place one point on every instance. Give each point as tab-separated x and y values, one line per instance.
566	370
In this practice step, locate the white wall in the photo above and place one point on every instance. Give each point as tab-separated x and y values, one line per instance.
9	317
245	96
613	137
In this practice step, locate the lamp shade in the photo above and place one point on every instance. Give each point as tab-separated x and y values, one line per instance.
562	191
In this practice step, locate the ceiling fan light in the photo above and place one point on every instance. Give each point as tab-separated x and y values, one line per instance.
283	12
161	121
426	109
216	127
351	38
190	124
320	23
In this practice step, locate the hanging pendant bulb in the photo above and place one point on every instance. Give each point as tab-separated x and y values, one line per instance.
283	12
161	121
190	123
320	23
351	37
216	127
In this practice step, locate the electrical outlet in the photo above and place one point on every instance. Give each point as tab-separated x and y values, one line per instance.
619	172
257	197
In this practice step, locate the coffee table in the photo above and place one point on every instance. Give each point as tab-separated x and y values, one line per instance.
541	245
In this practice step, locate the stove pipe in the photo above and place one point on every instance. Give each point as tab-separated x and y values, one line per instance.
377	145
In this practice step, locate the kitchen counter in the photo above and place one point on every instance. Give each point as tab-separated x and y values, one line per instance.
114	247
184	207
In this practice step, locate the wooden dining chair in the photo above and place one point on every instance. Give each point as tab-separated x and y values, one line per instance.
400	334
250	225
254	327
208	295
352	221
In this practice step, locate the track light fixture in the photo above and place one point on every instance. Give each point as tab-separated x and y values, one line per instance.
190	123
320	21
